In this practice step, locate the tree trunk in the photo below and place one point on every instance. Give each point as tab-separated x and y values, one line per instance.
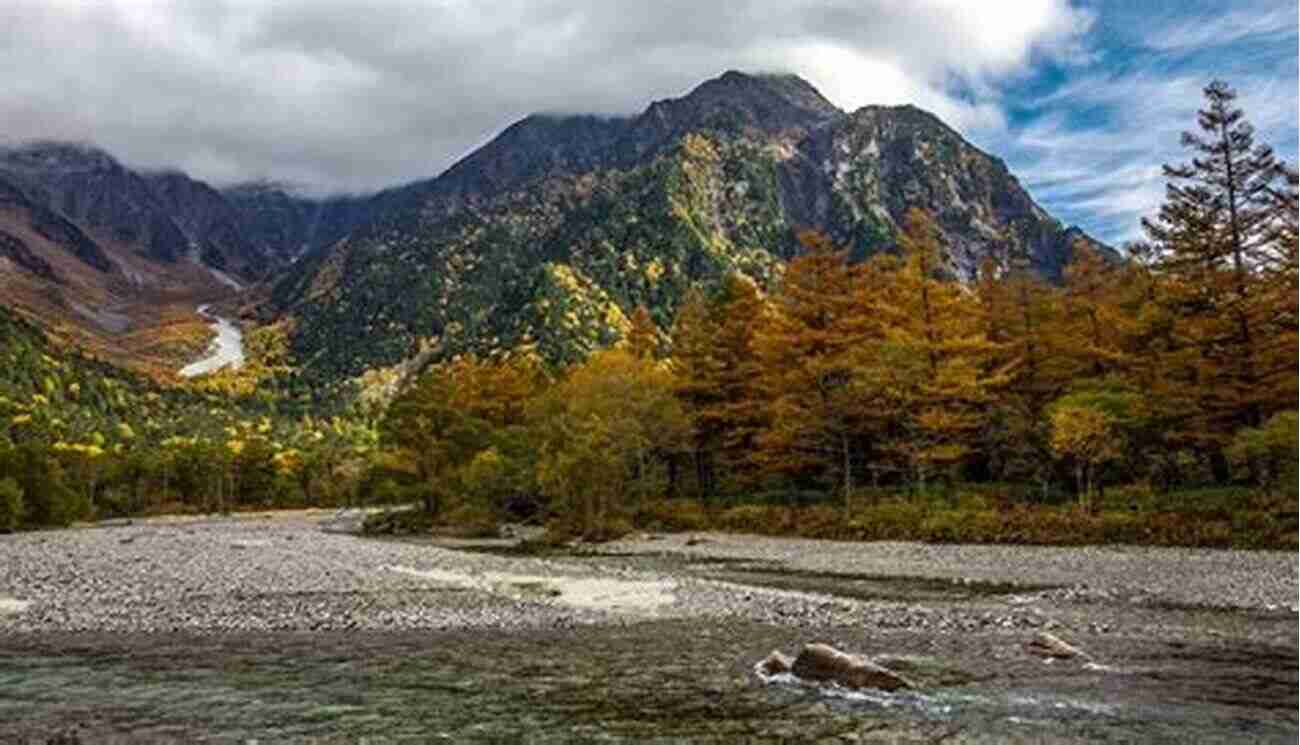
1219	466
848	473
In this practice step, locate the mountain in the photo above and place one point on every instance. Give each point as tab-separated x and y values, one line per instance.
550	234
99	256
115	260
290	224
165	217
29	230
547	236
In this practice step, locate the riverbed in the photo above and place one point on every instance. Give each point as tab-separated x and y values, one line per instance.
227	630
226	349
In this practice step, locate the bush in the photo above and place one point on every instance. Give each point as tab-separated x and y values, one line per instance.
473	520
892	519
1268	453
559	531
11	505
398	522
748	518
1133	497
821	521
673	515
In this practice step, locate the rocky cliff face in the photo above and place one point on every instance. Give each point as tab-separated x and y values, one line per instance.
24	223
553	232
857	177
90	188
165	217
290	224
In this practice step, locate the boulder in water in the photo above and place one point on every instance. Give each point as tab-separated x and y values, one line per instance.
824	663
775	664
1053	647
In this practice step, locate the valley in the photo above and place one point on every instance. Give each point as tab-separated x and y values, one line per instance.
562	442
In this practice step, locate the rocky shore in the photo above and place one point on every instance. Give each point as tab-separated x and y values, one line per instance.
288	628
284	572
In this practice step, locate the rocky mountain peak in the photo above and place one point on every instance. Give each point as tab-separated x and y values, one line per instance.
55	156
734	102
770	91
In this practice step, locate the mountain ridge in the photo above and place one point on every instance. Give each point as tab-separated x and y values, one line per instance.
720	179
562	217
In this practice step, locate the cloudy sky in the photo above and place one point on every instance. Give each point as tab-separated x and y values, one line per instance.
1083	99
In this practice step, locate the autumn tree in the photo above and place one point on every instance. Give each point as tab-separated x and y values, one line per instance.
600	430
934	325
1094	324
1024	319
817	371
1090	427
694	365
642	338
455	412
1088	437
714	364
1222	240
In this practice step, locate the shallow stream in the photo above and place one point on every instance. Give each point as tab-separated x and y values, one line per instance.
1172	675
226	349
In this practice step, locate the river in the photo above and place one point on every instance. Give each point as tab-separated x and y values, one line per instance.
226	349
269	629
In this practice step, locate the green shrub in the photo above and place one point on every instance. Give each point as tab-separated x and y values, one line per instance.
1221	501
973	500
1267	453
1132	497
788	497
11	505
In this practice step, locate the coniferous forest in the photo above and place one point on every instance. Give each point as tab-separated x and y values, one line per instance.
1150	399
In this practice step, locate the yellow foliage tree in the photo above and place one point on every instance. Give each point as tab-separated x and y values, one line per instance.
604	429
1089	437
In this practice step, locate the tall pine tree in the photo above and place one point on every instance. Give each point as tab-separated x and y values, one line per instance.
1219	237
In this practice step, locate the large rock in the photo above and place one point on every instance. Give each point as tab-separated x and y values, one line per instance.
775	664
824	663
1053	647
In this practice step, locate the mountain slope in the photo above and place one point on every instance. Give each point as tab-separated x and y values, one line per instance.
553	232
115	260
165	217
289	224
549	235
97	294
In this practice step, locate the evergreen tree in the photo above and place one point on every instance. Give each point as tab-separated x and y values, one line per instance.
1221	239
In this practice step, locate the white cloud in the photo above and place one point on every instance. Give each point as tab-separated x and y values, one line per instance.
1107	173
1221	28
351	94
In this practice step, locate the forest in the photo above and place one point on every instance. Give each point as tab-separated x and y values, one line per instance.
1151	400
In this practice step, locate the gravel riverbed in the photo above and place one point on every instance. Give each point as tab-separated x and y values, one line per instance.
285	573
224	629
